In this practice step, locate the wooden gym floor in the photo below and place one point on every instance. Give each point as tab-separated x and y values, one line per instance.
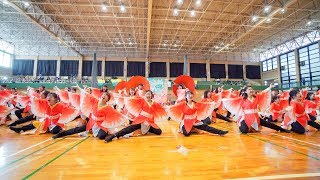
265	155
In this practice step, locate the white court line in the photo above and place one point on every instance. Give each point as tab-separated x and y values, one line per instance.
32	159
29	148
297	140
285	176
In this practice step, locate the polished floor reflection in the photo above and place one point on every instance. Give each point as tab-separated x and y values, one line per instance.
269	155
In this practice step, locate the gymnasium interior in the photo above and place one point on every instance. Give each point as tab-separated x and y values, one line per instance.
219	43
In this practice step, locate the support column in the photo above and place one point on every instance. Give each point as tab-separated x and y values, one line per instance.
147	68
185	65
58	66
103	67
35	66
168	69
80	68
279	70
244	71
94	71
125	69
227	71
208	70
296	55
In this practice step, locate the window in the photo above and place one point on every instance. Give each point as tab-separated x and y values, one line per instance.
309	64
269	64
6	53
288	70
308	38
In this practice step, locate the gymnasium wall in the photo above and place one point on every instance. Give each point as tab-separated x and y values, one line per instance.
5	71
126	67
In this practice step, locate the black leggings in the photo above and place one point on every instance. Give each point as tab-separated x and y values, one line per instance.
219	116
312	123
245	129
298	128
23	120
101	134
18	113
203	127
28	127
132	128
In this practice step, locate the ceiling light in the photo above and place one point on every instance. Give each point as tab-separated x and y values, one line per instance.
255	18
5	2
164	44
122	8
26	4
175	45
175	11
198	2
267	9
309	23
119	43
268	20
179	2
192	13
130	43
283	10
104	7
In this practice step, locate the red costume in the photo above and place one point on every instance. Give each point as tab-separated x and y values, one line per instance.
190	115
248	110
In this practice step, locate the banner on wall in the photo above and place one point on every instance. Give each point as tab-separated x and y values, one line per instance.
159	87
115	82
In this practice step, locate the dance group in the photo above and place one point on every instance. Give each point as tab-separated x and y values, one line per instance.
132	106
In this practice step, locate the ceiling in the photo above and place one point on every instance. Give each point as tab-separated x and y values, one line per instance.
219	29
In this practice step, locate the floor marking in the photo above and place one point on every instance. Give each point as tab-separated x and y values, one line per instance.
297	140
55	158
285	176
37	157
261	139
28	154
29	148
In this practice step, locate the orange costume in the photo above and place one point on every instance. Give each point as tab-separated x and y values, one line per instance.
296	112
189	116
100	117
56	115
275	110
246	110
146	114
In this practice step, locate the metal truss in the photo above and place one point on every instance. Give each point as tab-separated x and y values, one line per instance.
220	29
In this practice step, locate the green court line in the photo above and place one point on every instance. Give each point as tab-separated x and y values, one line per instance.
297	142
12	162
260	139
55	158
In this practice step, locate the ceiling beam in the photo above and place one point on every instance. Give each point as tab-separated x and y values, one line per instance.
149	26
289	3
46	29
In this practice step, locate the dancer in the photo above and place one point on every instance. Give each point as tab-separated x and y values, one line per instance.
296	115
146	112
52	112
102	117
190	113
246	110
